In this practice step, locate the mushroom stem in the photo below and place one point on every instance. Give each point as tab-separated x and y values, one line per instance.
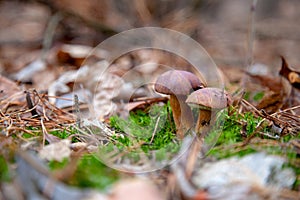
175	106
182	115
202	124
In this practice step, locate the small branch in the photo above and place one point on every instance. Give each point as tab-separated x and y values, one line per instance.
251	35
44	132
155	129
49	33
251	38
77	110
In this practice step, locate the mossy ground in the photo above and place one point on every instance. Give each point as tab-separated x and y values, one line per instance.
153	128
89	173
234	140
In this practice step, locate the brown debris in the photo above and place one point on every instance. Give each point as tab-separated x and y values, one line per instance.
291	75
50	117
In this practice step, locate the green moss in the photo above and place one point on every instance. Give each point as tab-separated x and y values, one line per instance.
56	165
236	128
60	133
89	173
247	95
4	170
92	173
253	96
258	96
141	125
27	135
153	128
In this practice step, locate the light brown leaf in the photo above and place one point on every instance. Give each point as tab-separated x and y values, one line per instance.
56	151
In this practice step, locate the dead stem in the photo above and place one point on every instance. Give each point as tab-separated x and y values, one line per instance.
250	41
44	130
155	129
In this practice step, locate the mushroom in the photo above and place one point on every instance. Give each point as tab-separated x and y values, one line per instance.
207	100
178	84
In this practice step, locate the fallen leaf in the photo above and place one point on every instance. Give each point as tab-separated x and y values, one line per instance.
7	87
271	102
11	96
26	74
56	151
76	54
102	87
271	82
290	74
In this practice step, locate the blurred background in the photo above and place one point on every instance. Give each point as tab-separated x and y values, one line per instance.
222	27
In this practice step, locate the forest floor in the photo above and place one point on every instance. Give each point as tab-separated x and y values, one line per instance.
79	117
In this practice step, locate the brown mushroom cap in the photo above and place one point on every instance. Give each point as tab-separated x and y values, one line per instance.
209	98
177	82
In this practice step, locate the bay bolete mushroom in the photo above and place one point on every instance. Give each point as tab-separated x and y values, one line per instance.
178	84
207	100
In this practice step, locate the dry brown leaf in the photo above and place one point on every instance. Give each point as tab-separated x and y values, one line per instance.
271	102
7	87
31	70
42	80
100	87
271	82
76	54
290	74
56	151
11	96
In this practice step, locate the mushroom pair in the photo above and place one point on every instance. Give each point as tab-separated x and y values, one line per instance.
185	90
179	84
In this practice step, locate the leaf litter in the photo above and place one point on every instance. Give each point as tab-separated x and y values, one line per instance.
30	120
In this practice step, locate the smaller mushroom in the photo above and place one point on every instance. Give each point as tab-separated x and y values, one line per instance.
178	84
207	100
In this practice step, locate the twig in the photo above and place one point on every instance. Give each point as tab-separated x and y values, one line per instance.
276	137
77	110
49	33
44	105
44	132
288	109
252	107
155	129
58	97
9	127
251	36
